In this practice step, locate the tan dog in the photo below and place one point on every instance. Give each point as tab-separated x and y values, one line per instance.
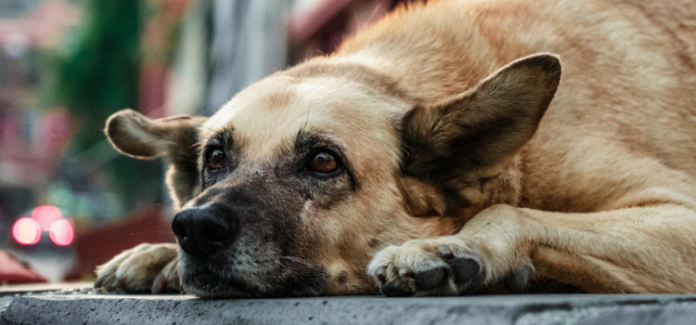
424	158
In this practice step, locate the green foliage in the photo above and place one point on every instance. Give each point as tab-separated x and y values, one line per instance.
99	75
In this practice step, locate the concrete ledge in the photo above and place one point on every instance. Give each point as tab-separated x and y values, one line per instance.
6	290
90	308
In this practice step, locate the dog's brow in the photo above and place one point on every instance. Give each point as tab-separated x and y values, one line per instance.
306	140
221	138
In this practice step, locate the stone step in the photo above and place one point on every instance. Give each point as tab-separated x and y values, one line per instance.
85	306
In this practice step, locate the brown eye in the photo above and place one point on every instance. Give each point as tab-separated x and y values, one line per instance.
323	163
216	159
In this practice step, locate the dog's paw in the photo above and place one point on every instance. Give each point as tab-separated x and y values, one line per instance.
443	266
142	269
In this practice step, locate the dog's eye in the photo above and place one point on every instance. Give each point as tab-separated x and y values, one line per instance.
216	159
323	163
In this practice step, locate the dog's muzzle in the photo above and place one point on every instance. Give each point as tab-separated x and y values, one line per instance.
206	229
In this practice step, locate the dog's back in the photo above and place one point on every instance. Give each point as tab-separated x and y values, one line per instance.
624	117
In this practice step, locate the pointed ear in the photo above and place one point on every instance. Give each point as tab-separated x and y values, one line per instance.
482	126
173	138
137	136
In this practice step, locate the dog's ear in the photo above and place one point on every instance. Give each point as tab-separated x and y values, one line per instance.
482	126
173	138
137	136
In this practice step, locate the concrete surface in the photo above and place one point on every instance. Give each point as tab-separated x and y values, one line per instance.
7	290
84	306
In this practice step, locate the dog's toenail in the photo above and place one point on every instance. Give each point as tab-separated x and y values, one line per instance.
430	279
464	269
445	252
113	286
405	273
382	274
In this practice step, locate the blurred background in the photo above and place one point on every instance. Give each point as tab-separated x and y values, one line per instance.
68	201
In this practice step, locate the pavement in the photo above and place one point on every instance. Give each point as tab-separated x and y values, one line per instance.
87	306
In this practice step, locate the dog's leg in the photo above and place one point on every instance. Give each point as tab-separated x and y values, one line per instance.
144	268
638	250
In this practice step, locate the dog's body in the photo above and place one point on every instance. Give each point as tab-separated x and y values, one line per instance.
429	134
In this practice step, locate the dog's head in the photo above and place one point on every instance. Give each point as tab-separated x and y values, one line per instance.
297	182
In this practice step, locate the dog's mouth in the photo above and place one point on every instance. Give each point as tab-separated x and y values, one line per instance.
212	286
210	282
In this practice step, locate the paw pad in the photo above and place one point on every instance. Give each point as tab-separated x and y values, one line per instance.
428	280
464	269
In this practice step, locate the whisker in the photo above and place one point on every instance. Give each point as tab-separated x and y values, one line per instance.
309	108
152	232
297	259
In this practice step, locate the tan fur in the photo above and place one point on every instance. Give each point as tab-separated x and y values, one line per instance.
599	194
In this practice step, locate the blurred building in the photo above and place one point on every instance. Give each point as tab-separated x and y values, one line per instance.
32	139
226	45
318	27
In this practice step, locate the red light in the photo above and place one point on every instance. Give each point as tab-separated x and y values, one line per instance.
62	232
46	215
26	231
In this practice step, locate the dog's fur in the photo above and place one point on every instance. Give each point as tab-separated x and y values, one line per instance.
453	181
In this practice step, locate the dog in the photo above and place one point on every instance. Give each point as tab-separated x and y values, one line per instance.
453	147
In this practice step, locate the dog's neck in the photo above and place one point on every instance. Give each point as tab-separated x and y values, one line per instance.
498	185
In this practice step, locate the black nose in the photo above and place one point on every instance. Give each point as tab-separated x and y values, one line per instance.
204	230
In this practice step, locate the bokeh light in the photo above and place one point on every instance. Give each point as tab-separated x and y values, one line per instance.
46	215
62	233
26	231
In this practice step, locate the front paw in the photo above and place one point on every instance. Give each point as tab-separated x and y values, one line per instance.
443	266
143	269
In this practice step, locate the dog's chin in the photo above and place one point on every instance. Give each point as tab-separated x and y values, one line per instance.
208	286
221	290
216	292
211	286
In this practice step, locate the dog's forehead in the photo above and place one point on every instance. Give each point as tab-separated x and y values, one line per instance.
268	115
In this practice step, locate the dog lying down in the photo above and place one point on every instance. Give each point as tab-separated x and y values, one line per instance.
441	151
